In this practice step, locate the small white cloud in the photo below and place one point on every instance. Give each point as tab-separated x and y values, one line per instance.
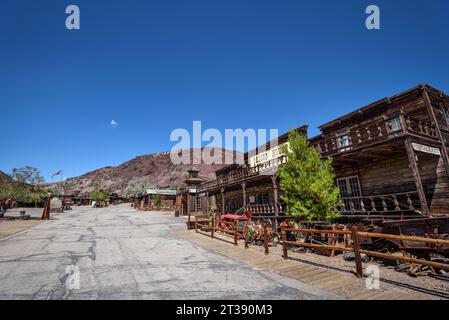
114	124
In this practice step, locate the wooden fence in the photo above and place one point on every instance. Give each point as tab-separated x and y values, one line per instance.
209	224
355	247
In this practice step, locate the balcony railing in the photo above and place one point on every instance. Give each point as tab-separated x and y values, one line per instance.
374	132
243	173
264	209
399	203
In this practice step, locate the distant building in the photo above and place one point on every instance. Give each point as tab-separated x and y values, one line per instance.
167	196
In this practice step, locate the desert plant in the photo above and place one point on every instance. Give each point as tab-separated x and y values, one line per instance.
136	187
22	188
28	175
99	196
157	199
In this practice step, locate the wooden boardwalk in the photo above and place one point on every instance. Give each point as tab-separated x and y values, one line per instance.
341	283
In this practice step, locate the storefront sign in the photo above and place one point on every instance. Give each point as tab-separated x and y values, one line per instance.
426	149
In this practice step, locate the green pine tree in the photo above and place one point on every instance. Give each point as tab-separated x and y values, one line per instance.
307	182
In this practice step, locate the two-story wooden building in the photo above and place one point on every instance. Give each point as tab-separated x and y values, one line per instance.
252	186
390	159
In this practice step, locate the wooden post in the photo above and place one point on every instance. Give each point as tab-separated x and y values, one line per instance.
244	194
246	236
414	167
235	232
46	212
276	199
196	223
206	203
212	231
284	243
265	238
356	247
332	241
222	201
433	119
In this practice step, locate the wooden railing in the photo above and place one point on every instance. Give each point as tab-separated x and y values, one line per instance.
380	204
264	209
210	225
374	132
422	128
355	246
242	173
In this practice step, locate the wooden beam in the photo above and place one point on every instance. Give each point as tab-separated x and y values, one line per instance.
223	211
274	179
414	167
433	118
244	193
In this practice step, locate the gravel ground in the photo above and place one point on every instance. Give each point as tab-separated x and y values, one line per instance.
428	284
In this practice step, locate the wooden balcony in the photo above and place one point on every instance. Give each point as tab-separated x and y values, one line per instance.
372	133
243	173
395	204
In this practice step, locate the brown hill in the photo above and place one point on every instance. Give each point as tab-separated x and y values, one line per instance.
157	168
4	176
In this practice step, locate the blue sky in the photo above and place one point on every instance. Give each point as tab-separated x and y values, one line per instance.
153	66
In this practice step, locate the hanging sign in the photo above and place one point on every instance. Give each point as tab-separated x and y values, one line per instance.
426	149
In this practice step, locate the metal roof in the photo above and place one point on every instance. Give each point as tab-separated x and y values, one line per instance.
162	192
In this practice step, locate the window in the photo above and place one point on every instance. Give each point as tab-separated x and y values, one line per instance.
394	124
262	198
350	193
198	203
343	142
234	203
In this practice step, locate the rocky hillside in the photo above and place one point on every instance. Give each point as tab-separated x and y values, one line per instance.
4	176
157	168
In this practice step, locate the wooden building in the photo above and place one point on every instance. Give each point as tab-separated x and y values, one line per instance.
186	198
390	159
252	186
167	199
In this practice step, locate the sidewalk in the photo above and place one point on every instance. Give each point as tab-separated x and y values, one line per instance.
343	284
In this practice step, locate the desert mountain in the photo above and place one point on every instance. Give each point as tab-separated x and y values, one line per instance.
4	176
157	168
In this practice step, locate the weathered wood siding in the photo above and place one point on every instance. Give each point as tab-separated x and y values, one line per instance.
395	176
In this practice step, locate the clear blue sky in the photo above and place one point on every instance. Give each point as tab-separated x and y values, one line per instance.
154	66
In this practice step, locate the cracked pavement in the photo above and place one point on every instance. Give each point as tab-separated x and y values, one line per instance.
125	254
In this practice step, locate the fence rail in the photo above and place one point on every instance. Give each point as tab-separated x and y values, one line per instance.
355	237
210	223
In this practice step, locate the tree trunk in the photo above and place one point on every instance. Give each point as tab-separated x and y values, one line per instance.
4	206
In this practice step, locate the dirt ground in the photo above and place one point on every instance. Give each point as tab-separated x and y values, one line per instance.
428	284
10	227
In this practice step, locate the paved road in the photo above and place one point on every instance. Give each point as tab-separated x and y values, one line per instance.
125	254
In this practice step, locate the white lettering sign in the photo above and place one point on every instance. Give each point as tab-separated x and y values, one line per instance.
426	149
